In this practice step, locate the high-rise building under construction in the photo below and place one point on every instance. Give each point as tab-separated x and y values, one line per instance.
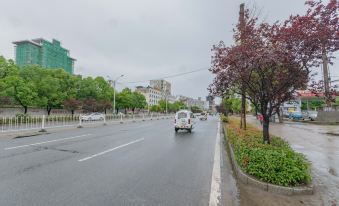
44	53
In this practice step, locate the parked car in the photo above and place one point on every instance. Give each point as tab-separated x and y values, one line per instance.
312	115
296	115
184	120
92	117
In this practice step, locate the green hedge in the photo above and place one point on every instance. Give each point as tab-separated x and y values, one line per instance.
224	118
276	163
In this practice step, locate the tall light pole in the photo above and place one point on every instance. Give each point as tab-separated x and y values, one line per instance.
114	83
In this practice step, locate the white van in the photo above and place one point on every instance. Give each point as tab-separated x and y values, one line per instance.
184	119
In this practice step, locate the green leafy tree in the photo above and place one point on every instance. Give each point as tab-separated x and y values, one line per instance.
7	69
48	85
87	89
105	94
231	104
124	99
155	108
178	105
21	90
138	101
196	109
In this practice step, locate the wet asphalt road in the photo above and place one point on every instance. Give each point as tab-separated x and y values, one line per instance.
142	163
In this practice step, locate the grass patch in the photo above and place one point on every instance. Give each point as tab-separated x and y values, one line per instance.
276	163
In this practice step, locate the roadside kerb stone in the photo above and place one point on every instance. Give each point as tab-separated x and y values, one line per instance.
246	179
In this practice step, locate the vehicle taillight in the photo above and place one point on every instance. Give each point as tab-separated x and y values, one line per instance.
189	121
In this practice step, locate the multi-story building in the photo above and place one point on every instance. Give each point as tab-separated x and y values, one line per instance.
152	96
189	102
171	99
44	53
211	103
162	85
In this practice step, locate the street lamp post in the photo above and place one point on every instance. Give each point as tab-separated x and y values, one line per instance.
165	92
114	84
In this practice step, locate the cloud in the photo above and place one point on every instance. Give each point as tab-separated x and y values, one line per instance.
142	39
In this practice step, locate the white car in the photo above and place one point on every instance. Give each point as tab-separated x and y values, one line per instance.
92	117
312	115
184	120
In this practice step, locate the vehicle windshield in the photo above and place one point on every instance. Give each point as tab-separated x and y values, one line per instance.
182	115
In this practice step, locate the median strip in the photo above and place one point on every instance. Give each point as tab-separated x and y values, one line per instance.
39	143
110	150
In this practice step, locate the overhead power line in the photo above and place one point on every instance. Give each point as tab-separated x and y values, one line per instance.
169	76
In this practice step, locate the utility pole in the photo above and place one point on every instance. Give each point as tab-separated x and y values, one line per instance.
166	95
243	94
114	84
326	79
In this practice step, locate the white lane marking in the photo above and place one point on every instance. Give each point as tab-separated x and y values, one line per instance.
215	194
38	143
110	150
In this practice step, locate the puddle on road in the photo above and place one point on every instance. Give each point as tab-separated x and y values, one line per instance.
333	172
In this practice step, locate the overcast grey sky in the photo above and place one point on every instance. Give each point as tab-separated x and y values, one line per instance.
142	39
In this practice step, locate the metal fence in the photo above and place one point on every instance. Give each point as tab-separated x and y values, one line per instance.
42	122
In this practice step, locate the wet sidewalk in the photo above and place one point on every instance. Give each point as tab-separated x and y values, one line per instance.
320	144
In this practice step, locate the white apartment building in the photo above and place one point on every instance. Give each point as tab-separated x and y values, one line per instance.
189	102
161	85
152	96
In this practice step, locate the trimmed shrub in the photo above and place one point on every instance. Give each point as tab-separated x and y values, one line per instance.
275	163
224	118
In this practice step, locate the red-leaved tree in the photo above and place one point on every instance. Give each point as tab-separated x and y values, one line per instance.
268	69
316	35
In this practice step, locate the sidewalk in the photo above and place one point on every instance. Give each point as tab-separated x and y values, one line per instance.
320	145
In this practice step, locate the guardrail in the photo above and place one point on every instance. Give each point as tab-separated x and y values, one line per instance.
42	122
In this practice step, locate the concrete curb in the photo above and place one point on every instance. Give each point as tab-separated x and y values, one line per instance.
246	179
312	122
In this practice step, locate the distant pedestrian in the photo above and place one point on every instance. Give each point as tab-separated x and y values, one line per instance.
261	118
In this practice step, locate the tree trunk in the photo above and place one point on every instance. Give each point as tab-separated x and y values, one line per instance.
243	111
72	112
105	111
266	134
326	78
49	110
25	108
280	117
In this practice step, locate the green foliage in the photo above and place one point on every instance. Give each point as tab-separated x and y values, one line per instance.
275	163
196	109
50	88
21	90
171	107
177	106
224	118
313	104
138	101
155	108
231	104
127	99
